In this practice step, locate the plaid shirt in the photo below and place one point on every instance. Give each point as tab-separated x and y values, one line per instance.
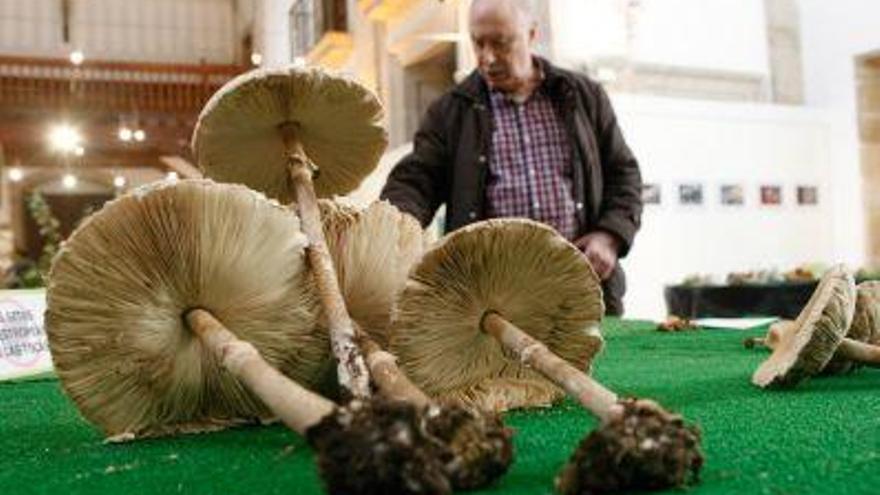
530	170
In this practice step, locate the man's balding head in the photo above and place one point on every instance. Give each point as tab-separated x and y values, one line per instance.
503	32
525	8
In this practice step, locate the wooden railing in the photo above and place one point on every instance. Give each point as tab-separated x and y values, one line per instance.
110	86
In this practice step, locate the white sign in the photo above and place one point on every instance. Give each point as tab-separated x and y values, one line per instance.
734	323
24	350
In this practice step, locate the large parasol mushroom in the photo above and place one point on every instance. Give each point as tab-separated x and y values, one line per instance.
513	286
373	250
819	336
520	269
118	289
274	130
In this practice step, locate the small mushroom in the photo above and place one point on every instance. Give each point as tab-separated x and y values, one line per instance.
809	344
119	288
373	251
367	447
275	130
513	287
774	335
864	328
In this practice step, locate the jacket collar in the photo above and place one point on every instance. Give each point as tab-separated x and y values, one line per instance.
474	88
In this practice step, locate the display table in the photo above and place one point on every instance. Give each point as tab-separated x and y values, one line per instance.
822	438
731	301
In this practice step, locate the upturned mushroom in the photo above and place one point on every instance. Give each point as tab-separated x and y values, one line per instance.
865	328
373	250
295	133
819	337
520	269
119	287
515	287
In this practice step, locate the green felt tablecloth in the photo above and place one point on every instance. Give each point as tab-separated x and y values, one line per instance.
823	437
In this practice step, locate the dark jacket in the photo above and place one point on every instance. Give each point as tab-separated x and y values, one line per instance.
449	162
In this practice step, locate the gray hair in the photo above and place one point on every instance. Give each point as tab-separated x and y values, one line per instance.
529	8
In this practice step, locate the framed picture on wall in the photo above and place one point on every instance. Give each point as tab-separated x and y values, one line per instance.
690	194
771	195
733	195
651	194
807	195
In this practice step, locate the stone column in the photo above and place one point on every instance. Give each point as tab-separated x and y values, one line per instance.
466	60
272	32
784	47
868	91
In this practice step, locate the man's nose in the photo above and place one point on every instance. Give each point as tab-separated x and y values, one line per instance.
485	55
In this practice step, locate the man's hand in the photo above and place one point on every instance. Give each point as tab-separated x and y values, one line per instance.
601	250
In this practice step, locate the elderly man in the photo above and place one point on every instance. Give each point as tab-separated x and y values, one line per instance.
521	137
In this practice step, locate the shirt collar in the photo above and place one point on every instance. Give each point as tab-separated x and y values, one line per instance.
497	95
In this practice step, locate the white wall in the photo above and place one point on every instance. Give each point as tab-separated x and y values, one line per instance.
723	35
146	30
833	34
680	141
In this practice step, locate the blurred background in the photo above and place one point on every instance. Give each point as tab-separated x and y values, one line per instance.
756	122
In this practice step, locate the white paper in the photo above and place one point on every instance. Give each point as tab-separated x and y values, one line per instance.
734	323
24	350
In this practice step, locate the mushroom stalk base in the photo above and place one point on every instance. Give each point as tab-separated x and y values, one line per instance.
590	393
296	406
389	379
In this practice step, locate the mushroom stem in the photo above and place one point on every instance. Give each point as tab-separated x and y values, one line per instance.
391	381
296	406
590	393
351	367
866	354
752	342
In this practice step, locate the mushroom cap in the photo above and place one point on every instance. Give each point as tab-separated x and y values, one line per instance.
338	123
820	327
521	269
866	321
373	250
865	326
121	284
